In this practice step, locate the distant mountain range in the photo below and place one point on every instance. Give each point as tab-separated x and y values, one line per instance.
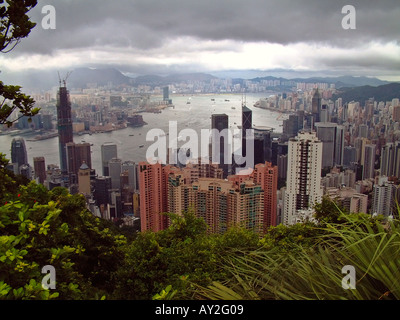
80	77
386	92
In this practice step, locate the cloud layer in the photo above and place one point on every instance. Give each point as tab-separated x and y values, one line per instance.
147	35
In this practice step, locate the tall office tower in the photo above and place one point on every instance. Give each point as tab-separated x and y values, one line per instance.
18	152
359	144
390	160
396	114
349	156
369	161
363	131
262	145
291	126
64	124
324	115
78	153
39	167
108	151
316	104
102	186
47	121
339	145
153	180
131	169
303	177
247	123
115	169
266	175
84	179
332	137
166	93
383	197
282	166
219	142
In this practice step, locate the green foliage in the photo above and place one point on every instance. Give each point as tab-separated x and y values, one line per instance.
41	228
313	271
94	260
15	25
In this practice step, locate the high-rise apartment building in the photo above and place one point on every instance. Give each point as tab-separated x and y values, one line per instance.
221	203
266	175
390	160
153	196
64	125
303	176
246	200
383	197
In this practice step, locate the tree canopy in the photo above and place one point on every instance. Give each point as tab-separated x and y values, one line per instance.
15	25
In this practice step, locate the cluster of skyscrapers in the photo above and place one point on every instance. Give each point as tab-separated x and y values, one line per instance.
350	153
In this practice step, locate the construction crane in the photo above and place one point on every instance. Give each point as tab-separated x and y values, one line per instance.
65	79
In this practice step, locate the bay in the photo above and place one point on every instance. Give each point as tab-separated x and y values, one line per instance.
195	115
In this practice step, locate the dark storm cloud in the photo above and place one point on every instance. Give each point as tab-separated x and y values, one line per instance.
146	24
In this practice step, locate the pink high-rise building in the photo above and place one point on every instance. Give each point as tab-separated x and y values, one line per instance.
153	180
266	175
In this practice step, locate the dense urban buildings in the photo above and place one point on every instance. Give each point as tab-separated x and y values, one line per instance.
348	151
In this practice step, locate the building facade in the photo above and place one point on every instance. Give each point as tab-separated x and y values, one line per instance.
303	176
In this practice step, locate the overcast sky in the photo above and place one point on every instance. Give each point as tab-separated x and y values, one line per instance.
167	36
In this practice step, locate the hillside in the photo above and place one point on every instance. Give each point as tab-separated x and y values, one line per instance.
381	93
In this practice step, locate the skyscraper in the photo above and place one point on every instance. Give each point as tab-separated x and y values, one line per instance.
153	196
18	152
383	197
219	141
262	144
131	168
390	160
247	120
332	137
266	175
78	153
115	167
316	104
369	161
108	151
101	190
64	124
39	167
303	177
